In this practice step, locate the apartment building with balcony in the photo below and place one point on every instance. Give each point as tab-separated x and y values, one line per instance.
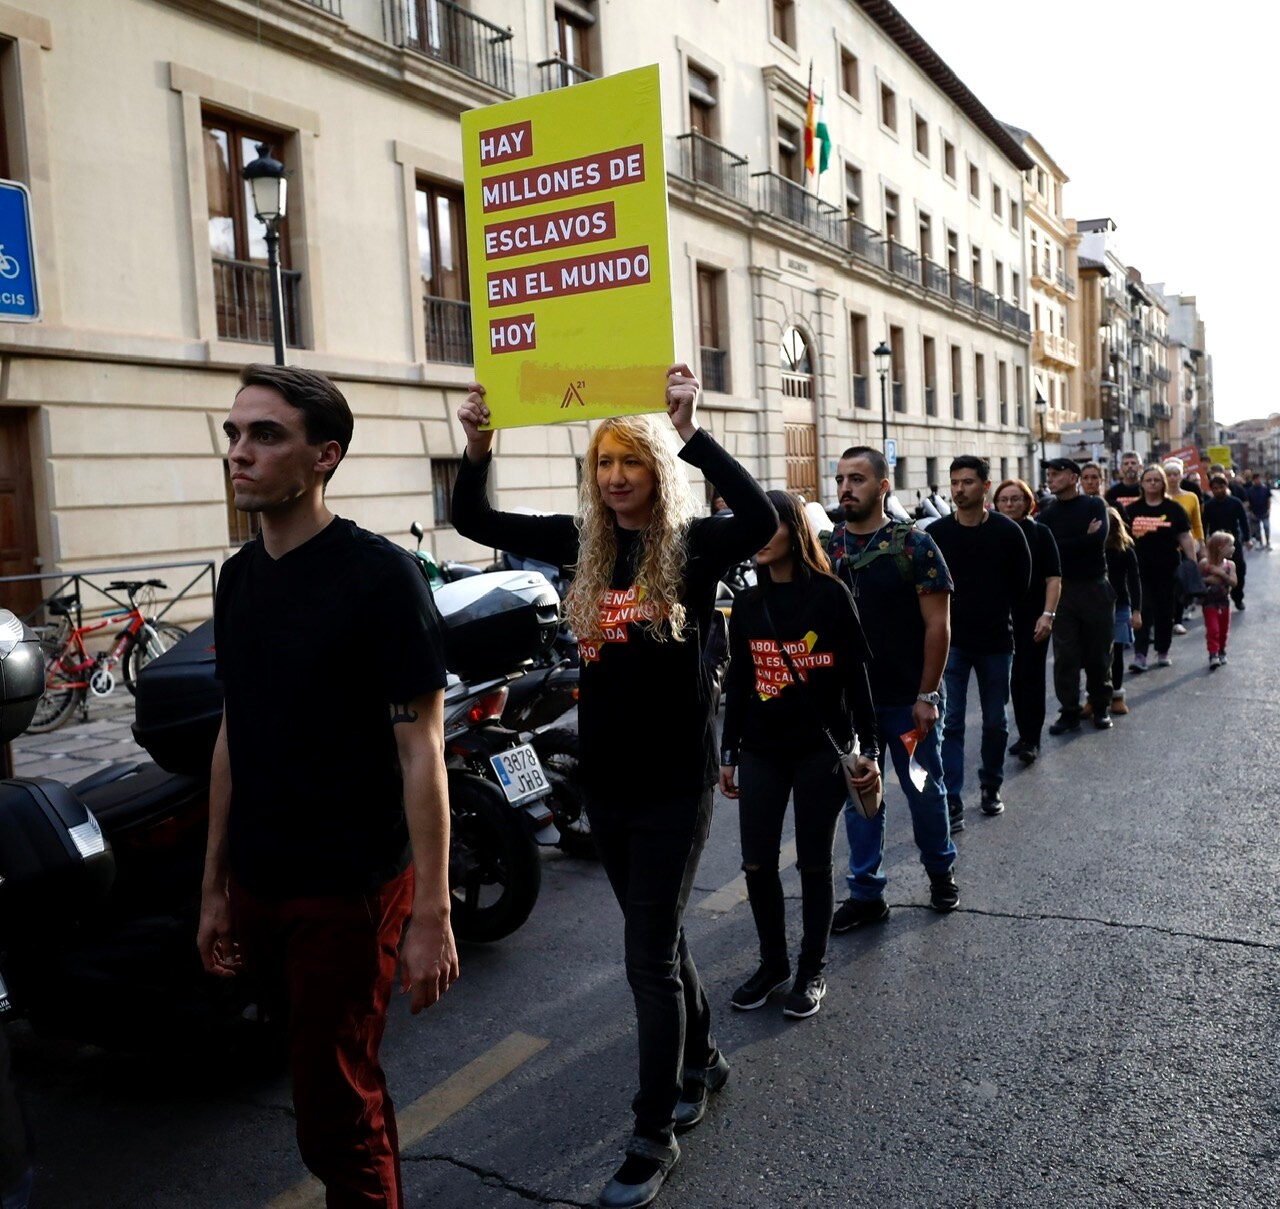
1149	373
1053	298
154	282
1191	372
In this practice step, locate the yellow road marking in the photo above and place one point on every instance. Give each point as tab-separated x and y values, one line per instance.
433	1109
735	892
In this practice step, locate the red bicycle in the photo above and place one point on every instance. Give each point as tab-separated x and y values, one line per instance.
72	672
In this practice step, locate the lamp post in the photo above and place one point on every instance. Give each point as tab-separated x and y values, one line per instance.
1042	408
883	355
268	186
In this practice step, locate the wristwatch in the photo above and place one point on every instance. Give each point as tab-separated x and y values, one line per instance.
934	699
1049	615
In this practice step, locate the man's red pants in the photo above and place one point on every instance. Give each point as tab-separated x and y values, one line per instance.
329	964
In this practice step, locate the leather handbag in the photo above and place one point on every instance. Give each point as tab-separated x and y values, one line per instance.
866	802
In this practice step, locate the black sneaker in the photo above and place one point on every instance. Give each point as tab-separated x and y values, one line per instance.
944	895
756	990
1029	753
1065	724
991	800
805	998
1016	749
854	912
1102	719
955	812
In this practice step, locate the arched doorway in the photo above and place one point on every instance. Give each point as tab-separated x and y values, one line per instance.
798	415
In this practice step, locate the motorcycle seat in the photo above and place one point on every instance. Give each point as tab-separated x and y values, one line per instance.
145	796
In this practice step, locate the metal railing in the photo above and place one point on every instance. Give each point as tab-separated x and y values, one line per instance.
860	390
1160	374
980	408
333	7
446	32
864	242
930	401
987	303
793	203
242	301
560	73
73	584
937	279
957	405
903	262
1065	283
1161	411
715	369
706	162
962	290
899	402
448	330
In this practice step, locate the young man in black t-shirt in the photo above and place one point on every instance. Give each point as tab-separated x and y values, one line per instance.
328	802
990	565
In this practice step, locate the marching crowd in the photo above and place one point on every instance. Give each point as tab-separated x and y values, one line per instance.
327	863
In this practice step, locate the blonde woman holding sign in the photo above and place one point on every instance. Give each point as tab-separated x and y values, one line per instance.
645	575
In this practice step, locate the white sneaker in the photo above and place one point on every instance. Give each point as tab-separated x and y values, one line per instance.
1179	628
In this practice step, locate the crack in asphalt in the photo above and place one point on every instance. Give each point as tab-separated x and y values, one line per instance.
496	1177
1032	917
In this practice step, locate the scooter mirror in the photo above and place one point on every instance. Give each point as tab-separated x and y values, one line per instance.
416	530
21	675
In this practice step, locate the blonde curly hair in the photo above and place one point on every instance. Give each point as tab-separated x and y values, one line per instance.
659	579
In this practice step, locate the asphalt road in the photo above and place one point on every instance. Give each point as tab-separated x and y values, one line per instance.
1096	1025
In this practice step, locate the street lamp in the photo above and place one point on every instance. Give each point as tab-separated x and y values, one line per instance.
268	186
883	355
1042	407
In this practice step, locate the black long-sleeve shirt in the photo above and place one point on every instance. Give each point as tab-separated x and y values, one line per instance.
644	716
1122	572
765	710
1082	552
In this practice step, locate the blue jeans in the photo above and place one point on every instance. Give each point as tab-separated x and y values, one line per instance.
928	807
992	670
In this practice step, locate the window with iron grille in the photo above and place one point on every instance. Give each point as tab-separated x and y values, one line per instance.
237	240
712	338
442	261
444	473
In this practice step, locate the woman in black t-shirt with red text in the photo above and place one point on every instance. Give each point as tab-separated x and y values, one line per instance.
645	575
1160	529
774	732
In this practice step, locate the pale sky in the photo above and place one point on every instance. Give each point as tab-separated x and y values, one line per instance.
1163	116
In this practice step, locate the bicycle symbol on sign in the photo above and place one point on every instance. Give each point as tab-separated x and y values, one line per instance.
9	267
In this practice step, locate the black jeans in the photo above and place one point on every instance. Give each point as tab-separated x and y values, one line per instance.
1157	614
1027	680
650	850
1083	634
819	793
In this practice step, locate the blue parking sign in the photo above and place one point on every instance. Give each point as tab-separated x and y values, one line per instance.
19	298
891	452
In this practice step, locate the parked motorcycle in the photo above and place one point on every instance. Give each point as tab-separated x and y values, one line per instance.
439	573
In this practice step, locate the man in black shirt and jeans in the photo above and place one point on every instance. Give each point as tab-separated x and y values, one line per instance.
1223	512
1084	627
328	802
990	565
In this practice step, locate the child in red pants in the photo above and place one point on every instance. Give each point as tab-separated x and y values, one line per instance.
1219	574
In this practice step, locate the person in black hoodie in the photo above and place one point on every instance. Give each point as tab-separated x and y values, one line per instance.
645	575
774	731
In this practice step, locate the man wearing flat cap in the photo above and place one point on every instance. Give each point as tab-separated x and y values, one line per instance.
1085	619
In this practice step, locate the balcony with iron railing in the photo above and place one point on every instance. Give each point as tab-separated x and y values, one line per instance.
1160	373
332	7
242	301
560	73
707	163
987	304
1065	283
448	33
1042	270
903	262
962	290
1047	346
715	369
1141	419
448	328
1161	411
865	243
936	279
780	197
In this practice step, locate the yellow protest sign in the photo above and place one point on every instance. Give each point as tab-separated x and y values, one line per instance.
566	201
1221	454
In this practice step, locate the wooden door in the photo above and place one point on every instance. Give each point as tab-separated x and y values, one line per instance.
18	550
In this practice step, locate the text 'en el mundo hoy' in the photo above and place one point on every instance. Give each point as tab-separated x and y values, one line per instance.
562	229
